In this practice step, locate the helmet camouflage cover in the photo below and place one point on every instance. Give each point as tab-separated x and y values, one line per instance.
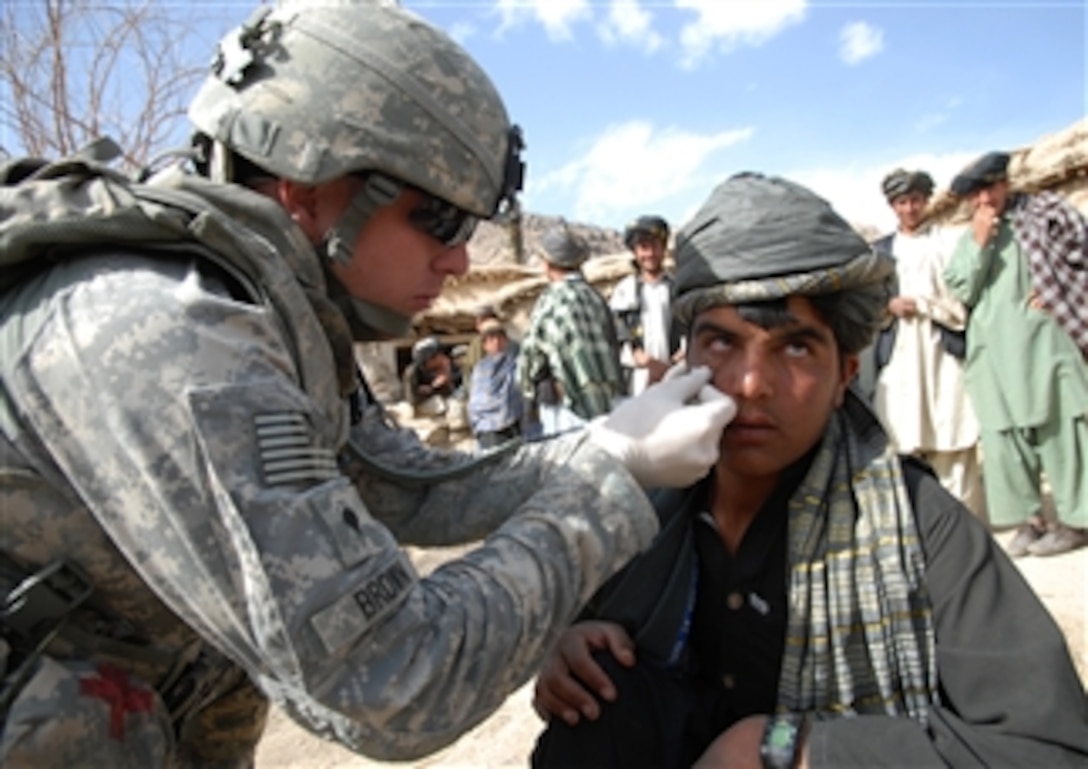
647	226
314	91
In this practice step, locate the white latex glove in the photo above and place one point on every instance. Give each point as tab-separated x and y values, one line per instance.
668	434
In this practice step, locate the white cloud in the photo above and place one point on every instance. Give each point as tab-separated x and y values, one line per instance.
859	41
635	165
931	120
855	191
730	23
628	22
462	31
556	16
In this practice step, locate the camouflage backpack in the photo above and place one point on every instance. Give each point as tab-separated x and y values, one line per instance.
53	210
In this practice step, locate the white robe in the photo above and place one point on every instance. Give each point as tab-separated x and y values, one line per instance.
920	394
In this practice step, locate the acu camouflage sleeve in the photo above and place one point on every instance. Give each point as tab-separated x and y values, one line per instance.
412	488
178	418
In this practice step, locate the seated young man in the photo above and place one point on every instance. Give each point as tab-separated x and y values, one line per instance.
816	600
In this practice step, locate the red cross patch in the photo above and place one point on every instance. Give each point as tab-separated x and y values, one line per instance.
113	686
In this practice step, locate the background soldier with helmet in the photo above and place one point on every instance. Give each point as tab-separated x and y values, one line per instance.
641	304
201	508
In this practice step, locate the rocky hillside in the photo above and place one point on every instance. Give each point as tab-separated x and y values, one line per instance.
493	243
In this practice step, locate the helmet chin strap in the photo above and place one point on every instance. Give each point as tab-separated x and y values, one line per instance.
369	322
220	167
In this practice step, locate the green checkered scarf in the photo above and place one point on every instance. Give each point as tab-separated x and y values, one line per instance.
860	637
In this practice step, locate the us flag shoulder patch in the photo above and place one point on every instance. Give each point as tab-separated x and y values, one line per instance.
287	452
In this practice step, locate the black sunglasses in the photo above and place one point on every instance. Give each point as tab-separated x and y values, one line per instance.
442	220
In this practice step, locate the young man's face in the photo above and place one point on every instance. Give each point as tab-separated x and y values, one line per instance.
493	342
786	381
992	197
437	364
909	209
395	265
650	254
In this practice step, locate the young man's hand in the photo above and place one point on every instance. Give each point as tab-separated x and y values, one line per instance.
984	223
570	680
903	307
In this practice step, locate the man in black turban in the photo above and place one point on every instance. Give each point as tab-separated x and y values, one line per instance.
816	600
1022	268
991	168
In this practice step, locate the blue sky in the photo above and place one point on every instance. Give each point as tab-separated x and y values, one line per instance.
638	106
631	107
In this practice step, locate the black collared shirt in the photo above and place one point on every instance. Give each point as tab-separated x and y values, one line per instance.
739	624
989	625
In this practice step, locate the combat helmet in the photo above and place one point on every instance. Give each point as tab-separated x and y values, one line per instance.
649	225
314	91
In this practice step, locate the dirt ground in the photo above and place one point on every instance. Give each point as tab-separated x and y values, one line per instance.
506	739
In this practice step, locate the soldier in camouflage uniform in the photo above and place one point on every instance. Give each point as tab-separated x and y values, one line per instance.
201	510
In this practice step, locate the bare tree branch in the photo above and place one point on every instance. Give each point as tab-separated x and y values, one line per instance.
74	70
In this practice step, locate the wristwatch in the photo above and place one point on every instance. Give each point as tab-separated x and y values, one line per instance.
780	741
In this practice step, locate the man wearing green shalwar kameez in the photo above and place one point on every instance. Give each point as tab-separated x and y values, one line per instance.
1026	376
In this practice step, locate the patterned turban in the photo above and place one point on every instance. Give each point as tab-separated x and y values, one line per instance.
900	182
759	238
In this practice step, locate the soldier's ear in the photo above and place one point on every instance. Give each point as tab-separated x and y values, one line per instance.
302	204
